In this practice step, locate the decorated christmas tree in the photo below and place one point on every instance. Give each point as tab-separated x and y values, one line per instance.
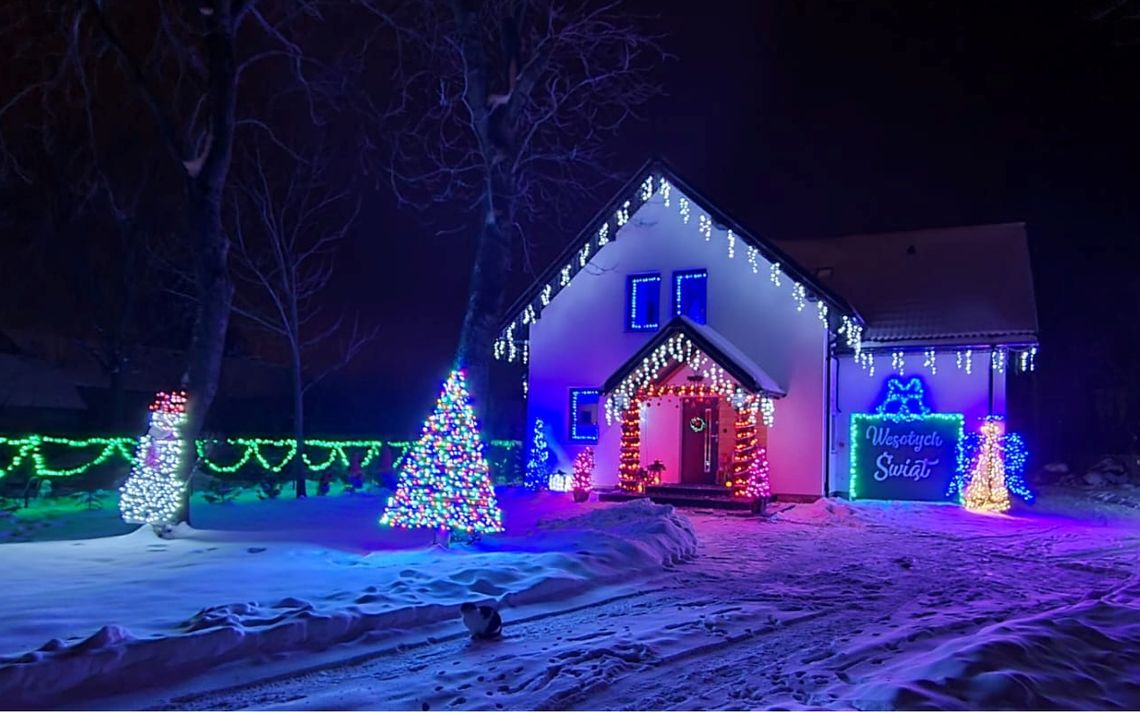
986	490
445	483
153	493
584	471
539	462
749	476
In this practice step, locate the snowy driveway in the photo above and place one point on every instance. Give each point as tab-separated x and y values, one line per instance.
828	605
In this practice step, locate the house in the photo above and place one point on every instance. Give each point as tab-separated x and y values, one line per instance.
691	354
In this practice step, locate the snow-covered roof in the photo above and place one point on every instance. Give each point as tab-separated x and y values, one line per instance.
655	179
938	286
713	344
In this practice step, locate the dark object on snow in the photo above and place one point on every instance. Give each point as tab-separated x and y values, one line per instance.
326	482
581	496
355	472
482	621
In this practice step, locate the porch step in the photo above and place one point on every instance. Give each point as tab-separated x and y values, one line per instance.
707	497
691	490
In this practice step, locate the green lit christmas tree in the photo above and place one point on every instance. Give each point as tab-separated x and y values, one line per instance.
445	483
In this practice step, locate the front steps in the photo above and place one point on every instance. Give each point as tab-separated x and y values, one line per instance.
714	497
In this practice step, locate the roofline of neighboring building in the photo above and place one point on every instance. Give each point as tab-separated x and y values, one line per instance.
660	168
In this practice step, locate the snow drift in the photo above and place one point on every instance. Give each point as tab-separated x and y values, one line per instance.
1071	657
153	598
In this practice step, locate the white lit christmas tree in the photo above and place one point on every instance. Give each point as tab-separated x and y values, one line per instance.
445	483
539	461
986	490
153	493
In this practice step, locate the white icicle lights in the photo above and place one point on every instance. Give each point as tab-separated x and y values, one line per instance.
153	493
679	349
507	345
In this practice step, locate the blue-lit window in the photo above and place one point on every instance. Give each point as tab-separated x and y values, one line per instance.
690	295
584	415
643	302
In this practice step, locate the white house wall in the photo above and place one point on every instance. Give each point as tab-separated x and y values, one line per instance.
950	390
580	339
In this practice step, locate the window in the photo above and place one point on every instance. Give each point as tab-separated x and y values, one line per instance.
643	302
690	295
584	415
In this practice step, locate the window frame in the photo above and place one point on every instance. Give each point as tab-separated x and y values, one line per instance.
575	393
630	316
680	276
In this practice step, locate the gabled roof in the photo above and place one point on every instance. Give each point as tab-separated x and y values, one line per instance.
604	226
946	285
741	368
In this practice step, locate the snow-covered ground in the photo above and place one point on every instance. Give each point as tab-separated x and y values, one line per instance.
828	605
261	579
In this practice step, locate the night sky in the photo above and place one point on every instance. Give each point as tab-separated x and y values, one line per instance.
807	118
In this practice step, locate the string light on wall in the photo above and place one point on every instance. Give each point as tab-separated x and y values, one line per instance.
866	361
768	411
821	310
928	361
997	360
774	274
965	360
583	255
898	362
622	214
853	332
705	225
676	350
799	295
1028	360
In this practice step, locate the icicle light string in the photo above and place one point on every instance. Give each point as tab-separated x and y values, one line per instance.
507	346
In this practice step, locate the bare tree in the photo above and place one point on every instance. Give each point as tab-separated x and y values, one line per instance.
168	74
286	232
503	109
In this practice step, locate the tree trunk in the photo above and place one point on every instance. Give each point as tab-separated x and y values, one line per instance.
298	425
211	320
484	305
205	183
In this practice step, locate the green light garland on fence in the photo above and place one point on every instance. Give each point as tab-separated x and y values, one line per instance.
31	449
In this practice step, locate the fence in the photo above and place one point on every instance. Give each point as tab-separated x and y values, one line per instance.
42	457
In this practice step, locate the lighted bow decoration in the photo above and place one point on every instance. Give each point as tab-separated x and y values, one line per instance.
905	401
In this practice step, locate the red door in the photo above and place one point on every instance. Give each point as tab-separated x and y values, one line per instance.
698	440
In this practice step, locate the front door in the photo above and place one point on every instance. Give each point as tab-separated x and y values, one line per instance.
698	440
